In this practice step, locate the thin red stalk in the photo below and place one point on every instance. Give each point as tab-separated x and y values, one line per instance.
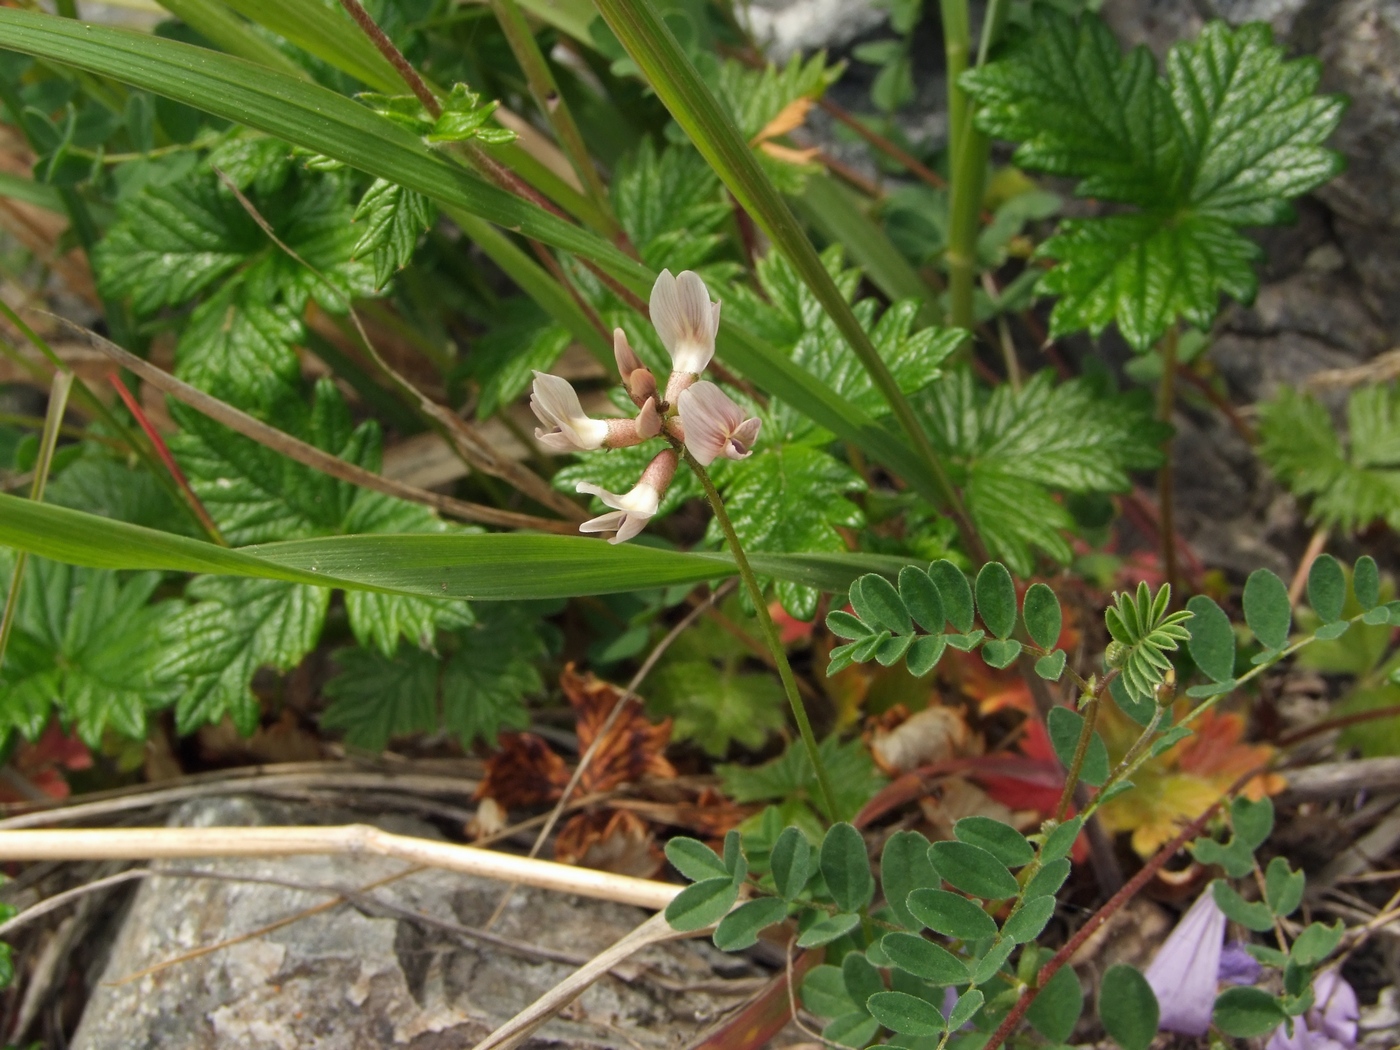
1341	722
884	145
163	451
1113	904
386	48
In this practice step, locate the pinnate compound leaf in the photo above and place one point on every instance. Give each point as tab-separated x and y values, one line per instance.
1128	1007
996	599
905	1014
375	697
1223	141
1056	1010
1327	588
1212	643
740	928
846	868
904	868
1001	840
973	870
1065	728
1267	609
702	903
1247	1012
951	914
1040	609
693	859
791	862
913	954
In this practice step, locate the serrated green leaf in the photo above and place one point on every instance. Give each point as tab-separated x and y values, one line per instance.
903	1013
740	928
996	599
702	903
1001	840
913	954
1128	1007
951	914
973	870
1056	1010
693	859
1283	887
922	599
1052	666
845	867
956	591
1247	1012
791	862
492	670
393	219
1366	582
904	868
377	697
1040	609
1212	643
1327	588
1065	728
1267	609
240	348
668	201
1253	915
849	767
826	930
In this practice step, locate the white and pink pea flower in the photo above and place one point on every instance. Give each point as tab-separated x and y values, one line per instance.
687	322
714	426
632	510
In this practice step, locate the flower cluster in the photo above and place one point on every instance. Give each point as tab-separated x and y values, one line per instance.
691	412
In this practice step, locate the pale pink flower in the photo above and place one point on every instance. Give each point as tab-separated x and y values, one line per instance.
714	425
632	510
687	322
1186	969
567	428
636	377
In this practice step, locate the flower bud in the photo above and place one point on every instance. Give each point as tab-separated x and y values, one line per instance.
636	377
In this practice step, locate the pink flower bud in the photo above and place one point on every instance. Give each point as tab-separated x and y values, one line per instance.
632	510
623	433
636	377
569	428
686	320
714	425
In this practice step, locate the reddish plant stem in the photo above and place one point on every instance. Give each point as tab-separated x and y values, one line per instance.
1130	889
1341	722
163	451
386	47
885	146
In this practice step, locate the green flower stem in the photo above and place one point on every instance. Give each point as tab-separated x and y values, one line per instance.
551	102
770	634
674	78
1166	401
53	422
1076	765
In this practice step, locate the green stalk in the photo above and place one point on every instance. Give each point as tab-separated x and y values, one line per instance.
674	78
53	421
770	634
551	102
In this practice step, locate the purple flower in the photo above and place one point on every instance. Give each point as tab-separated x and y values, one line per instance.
1329	1025
1237	966
1186	969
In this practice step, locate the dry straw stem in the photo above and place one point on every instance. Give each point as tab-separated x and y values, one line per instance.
353	839
309	455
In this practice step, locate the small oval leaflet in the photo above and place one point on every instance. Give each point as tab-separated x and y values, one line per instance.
824	992
973	870
1327	588
1212	643
791	862
1027	923
702	903
1040	610
1247	1012
1128	1007
1065	727
1048	879
904	868
924	653
740	928
1366	582
922	599
903	1013
854	1029
912	954
827	930
693	859
956	592
1267	610
1056	1009
967	1005
862	979
846	868
877	603
1061	840
1000	840
951	914
996	599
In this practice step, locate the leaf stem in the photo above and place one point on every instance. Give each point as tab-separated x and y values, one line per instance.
1166	401
770	634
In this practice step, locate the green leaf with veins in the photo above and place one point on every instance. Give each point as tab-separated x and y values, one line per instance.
241	348
522	340
100	484
493	669
376	697
701	684
1351	484
1224	140
669	203
253	161
393	219
850	770
85	642
786	499
1011	450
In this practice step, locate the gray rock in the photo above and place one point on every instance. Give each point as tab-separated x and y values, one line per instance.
352	978
788	26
